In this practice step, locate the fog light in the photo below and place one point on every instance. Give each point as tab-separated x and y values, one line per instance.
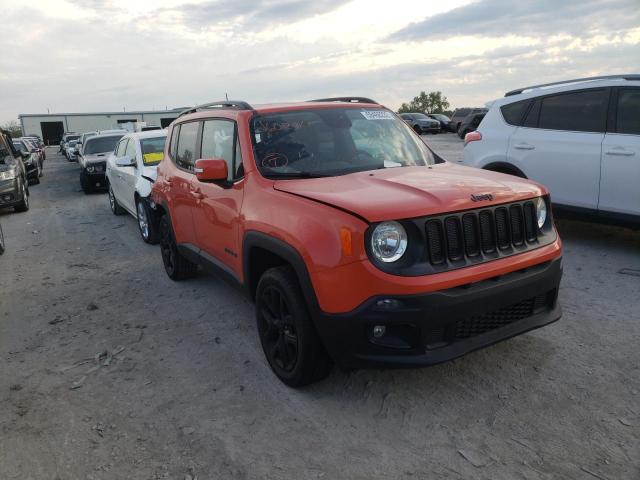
379	331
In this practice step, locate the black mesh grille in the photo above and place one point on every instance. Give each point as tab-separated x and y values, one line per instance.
530	222
479	324
435	242
482	234
454	238
502	228
517	227
471	234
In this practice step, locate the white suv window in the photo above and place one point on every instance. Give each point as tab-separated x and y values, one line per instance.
583	111
628	115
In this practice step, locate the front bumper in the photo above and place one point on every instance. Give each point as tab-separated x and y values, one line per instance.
10	194
95	174
434	327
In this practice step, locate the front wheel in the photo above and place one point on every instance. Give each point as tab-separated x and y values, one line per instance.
418	130
176	265
116	209
287	334
23	206
148	228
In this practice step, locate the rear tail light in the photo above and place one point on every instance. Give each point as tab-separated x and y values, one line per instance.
472	137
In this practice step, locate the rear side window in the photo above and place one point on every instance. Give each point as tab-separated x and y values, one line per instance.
218	137
628	116
513	112
531	120
186	152
173	146
577	112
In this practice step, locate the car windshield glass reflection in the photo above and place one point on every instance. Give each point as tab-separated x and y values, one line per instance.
335	141
101	144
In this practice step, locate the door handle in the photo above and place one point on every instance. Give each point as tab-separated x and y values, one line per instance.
524	146
621	153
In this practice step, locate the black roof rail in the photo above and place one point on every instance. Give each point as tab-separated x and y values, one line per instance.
235	104
345	99
631	76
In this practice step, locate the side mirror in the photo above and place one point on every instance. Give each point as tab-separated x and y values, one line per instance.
125	161
211	170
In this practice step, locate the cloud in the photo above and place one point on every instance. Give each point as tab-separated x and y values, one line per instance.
499	18
251	15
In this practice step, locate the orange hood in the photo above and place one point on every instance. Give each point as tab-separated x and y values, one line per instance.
409	192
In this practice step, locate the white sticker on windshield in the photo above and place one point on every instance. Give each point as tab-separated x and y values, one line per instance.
377	115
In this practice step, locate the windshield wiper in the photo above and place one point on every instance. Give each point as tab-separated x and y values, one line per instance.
277	175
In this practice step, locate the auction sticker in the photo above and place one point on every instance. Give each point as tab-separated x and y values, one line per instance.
377	115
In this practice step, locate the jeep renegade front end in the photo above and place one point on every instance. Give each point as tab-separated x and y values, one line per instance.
358	244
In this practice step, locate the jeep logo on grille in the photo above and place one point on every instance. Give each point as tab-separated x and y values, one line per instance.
483	196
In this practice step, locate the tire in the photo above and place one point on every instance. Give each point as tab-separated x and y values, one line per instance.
287	334
116	209
23	206
418	130
1	241
148	228
177	267
84	182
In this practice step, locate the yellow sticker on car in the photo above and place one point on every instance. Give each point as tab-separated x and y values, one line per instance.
149	158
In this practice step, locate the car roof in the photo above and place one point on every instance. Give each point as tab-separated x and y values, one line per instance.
147	134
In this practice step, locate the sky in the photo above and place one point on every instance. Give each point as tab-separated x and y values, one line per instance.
110	55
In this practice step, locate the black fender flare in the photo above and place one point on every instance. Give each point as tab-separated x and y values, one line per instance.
285	251
493	166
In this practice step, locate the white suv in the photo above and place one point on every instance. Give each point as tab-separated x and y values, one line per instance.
580	138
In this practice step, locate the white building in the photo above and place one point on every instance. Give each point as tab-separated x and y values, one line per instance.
50	127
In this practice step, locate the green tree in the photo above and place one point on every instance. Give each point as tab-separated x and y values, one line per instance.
13	127
432	102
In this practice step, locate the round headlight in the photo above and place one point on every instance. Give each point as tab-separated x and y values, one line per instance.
389	242
541	210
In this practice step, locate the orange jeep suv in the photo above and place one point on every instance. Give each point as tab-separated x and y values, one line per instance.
358	244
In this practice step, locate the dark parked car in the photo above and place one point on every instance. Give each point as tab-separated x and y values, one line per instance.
93	161
421	123
31	160
470	123
460	114
14	191
445	122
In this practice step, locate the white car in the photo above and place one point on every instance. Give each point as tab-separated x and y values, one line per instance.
131	171
580	138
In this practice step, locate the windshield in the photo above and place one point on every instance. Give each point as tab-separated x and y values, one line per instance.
439	116
73	137
21	146
420	116
73	143
101	144
337	141
152	150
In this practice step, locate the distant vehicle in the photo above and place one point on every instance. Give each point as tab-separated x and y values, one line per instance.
14	187
445	122
470	123
580	138
67	138
131	171
65	135
421	123
460	114
93	161
36	145
71	151
30	159
82	139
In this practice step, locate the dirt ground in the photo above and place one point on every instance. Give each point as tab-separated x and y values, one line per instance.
109	370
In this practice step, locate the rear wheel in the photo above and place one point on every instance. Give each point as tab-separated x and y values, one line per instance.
148	228
288	336
176	266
